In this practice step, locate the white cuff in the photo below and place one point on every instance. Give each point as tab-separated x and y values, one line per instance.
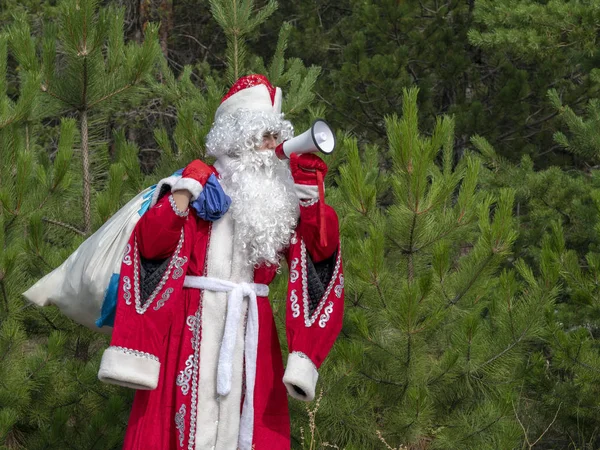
302	374
189	184
129	368
169	181
306	191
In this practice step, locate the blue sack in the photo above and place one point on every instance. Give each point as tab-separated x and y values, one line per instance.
212	203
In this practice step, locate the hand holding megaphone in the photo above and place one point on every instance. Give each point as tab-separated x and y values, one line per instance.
318	138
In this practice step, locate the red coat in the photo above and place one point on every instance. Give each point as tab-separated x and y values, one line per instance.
158	346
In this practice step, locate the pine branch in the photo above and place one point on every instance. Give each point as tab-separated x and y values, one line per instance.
41	313
447	232
98	437
235	33
350	117
8	122
381	347
74	402
379	292
511	319
40	367
503	352
8	349
89	388
392	383
46	90
207	48
505	135
474	278
548	427
408	351
64	225
435	379
42	259
27	139
410	251
372	121
481	430
4	293
47	197
110	95
575	360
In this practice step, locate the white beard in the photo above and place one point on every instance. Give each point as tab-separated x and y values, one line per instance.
264	205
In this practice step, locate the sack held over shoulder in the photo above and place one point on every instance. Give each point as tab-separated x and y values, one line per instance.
84	287
79	285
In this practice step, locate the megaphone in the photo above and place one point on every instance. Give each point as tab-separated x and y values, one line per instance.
318	138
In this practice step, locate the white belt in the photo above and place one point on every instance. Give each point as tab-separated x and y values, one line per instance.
236	293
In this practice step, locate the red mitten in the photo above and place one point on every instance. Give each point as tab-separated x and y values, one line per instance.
193	178
305	168
310	170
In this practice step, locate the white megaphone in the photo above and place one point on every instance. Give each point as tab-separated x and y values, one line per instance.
318	138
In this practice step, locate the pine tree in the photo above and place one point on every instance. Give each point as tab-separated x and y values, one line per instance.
551	37
561	203
370	50
48	390
561	207
565	33
437	332
47	363
38	10
559	218
563	374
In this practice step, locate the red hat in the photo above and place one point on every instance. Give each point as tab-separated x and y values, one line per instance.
253	92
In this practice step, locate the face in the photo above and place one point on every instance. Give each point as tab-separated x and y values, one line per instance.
269	141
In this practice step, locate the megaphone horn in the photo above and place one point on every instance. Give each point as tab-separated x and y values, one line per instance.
318	138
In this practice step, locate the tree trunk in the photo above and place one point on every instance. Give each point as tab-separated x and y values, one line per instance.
141	20
85	159
166	24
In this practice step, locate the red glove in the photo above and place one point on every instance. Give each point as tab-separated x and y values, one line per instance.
193	178
309	169
305	168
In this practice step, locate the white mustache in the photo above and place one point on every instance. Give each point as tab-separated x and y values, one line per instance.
264	205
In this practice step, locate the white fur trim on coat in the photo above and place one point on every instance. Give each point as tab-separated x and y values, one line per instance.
129	368
302	373
306	191
218	418
255	98
236	293
169	181
189	184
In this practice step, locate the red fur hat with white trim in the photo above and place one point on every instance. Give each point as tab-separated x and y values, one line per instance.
253	92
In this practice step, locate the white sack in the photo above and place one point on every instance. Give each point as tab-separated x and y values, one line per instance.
78	286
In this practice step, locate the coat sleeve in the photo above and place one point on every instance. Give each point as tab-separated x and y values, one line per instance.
158	230
315	300
142	321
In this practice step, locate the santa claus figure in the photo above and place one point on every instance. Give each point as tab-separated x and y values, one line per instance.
194	330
